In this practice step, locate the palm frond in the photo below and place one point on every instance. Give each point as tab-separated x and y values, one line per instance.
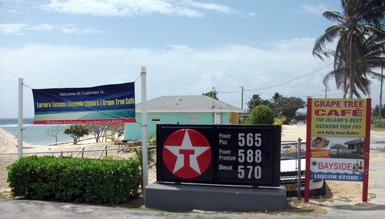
330	34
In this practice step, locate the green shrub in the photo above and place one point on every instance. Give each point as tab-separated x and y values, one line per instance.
379	125
262	115
73	179
76	132
280	121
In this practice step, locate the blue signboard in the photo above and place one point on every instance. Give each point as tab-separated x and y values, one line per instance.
100	104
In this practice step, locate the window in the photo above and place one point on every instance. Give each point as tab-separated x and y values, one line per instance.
193	118
217	118
155	118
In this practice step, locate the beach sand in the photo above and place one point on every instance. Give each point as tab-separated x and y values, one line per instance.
8	144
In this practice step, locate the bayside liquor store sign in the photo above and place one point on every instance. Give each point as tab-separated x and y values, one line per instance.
338	141
219	154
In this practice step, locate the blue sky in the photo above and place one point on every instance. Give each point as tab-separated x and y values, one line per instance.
187	46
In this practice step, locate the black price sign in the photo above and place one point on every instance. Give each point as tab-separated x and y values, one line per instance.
246	155
219	154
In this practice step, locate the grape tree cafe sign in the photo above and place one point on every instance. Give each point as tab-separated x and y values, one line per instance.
219	154
100	104
338	140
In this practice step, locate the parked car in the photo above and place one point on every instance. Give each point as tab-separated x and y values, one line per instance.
289	173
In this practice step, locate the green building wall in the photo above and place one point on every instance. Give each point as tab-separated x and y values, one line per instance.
133	131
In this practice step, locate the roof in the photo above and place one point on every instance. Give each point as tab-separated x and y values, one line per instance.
356	141
338	146
194	103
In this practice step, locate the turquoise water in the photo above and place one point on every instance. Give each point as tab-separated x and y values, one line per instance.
33	134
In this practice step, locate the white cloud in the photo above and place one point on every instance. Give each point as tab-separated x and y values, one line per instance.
208	79
172	70
21	29
210	6
42	27
12	29
186	8
316	10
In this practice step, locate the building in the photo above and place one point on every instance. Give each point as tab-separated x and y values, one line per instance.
198	109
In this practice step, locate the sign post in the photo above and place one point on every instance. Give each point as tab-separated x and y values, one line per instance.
144	128
20	120
338	141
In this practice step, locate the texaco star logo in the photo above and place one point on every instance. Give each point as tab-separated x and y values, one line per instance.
186	153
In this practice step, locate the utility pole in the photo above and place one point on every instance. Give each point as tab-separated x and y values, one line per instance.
326	92
242	98
213	95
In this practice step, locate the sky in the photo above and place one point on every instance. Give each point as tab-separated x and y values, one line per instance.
188	47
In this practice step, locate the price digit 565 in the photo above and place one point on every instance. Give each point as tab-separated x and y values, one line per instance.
249	139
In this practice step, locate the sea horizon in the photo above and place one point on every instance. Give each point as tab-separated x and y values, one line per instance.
35	135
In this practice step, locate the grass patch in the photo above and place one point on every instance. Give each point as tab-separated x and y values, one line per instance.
298	207
377	129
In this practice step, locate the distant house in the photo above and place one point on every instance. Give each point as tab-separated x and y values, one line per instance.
337	148
198	109
356	146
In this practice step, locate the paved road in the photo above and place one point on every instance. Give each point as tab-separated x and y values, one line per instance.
377	170
41	209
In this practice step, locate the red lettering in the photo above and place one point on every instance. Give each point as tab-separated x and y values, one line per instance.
345	112
348	103
336	104
327	103
320	112
333	113
358	112
354	104
361	104
335	166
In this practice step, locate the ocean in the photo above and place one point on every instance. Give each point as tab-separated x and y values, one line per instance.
32	134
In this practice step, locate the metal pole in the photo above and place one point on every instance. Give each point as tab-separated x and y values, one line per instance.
379	108
299	168
144	129
20	119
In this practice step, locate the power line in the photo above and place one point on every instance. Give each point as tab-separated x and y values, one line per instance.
291	79
277	84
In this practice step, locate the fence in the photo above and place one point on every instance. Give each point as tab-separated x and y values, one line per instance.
290	164
116	153
293	155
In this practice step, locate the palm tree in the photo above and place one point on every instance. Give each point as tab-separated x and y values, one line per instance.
314	164
371	55
356	30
